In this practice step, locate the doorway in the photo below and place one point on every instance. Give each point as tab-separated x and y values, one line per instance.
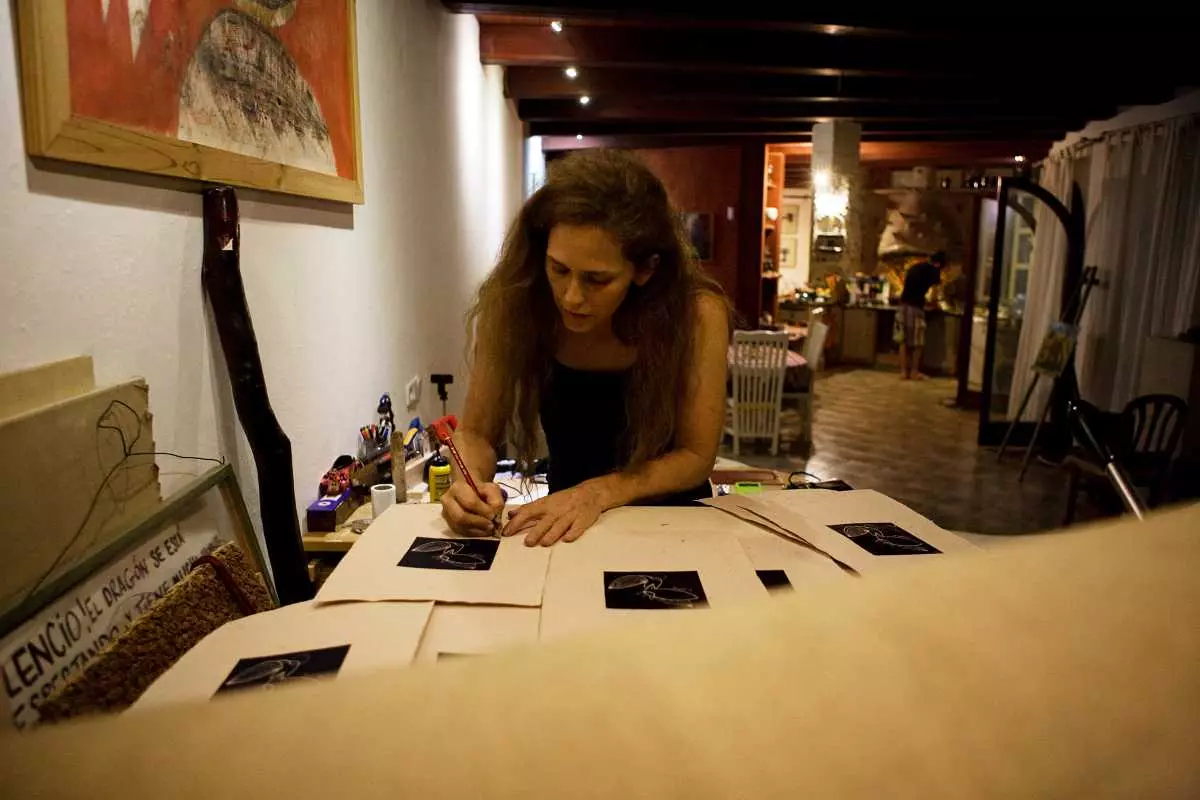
1002	285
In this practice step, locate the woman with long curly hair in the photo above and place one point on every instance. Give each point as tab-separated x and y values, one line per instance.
598	322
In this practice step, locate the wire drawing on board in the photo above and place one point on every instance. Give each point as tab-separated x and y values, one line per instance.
651	587
653	590
884	539
272	670
265	673
471	554
452	553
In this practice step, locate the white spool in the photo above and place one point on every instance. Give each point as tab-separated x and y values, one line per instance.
383	497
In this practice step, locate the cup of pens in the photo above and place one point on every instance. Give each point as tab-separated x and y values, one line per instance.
373	440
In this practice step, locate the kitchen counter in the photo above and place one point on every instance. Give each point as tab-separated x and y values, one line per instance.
867	338
862	333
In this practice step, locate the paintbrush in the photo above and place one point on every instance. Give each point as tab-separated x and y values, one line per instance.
444	437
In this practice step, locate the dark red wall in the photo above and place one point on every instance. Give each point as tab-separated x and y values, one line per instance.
706	179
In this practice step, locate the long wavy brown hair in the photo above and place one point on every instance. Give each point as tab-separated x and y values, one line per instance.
514	322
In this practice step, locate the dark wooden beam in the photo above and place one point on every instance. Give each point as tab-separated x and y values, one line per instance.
551	83
517	45
965	130
692	110
941	153
689	20
844	19
788	52
945	153
639	141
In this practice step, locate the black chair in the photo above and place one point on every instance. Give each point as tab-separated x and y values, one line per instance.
1144	438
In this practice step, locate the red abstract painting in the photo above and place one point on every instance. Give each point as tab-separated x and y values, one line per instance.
271	79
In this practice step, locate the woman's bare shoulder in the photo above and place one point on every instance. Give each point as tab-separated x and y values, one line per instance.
712	311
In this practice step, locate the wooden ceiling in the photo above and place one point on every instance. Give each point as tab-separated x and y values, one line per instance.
658	77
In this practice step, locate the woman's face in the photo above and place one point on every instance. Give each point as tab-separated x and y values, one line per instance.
588	275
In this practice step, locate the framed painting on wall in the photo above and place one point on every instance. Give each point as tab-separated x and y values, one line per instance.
699	227
254	93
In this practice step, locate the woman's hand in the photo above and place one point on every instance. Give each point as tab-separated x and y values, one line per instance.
467	514
563	515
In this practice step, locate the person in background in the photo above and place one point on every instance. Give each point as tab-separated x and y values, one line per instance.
598	322
909	329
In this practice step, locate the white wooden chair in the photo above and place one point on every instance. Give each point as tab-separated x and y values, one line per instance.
757	370
814	349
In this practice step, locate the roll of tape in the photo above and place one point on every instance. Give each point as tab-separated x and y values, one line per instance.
383	497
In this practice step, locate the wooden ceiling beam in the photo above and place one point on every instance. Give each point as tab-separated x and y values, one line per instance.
946	153
940	153
780	51
1011	130
525	45
551	83
690	20
914	23
602	110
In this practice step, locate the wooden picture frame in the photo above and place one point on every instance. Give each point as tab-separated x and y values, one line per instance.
53	129
221	478
699	228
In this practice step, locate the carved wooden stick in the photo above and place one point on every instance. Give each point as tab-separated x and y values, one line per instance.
222	279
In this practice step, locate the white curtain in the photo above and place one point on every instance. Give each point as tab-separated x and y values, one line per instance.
1044	293
1142	188
1144	235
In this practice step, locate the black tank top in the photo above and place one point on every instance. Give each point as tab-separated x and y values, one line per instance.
583	417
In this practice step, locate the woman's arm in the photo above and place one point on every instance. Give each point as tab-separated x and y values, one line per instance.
569	513
482	425
482	422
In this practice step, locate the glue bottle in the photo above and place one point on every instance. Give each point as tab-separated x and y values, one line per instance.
439	477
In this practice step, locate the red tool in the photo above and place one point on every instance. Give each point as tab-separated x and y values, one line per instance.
443	429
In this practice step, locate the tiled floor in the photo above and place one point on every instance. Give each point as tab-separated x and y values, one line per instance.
876	431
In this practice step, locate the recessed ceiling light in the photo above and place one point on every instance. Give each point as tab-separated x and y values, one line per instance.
583	101
556	25
571	73
1019	159
579	137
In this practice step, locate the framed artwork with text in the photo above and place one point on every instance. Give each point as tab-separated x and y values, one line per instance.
254	93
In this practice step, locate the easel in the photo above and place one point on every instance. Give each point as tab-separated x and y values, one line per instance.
1071	316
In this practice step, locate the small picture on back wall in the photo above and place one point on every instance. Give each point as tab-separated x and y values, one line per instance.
699	227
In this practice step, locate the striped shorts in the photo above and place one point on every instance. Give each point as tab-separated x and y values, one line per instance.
909	328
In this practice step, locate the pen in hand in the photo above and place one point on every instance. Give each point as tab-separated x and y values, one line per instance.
444	437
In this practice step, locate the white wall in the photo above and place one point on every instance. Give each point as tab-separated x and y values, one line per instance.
346	302
535	165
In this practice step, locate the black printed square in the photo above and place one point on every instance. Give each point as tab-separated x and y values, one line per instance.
776	580
285	667
644	590
472	554
884	539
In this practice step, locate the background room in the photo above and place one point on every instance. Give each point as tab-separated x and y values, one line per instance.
824	192
243	239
